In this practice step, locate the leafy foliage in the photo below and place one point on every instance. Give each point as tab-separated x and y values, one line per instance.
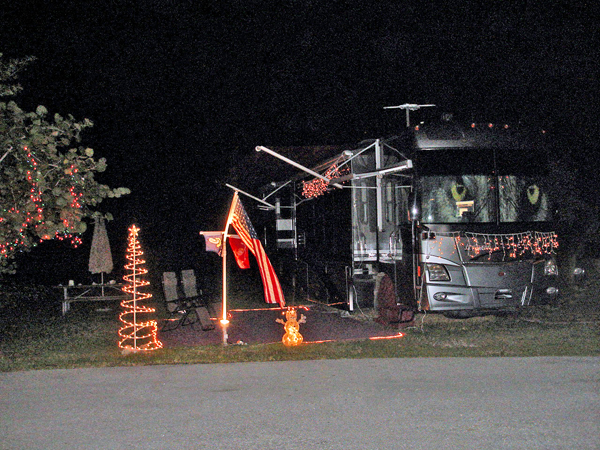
577	207
47	185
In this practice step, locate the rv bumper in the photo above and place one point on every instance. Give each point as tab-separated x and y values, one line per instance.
447	298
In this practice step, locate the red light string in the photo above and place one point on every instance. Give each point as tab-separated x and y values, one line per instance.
318	186
511	246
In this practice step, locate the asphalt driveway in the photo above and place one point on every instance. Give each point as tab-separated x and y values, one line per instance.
411	403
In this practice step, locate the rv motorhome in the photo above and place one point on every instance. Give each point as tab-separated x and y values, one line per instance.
459	217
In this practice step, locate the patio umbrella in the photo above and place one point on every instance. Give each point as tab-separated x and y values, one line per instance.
100	256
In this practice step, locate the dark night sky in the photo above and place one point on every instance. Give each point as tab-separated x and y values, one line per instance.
180	90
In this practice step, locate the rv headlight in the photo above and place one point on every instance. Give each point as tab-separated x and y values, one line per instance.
550	267
437	272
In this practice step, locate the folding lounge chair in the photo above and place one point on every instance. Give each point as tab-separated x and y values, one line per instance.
178	308
188	280
185	307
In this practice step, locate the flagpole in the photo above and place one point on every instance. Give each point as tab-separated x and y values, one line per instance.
224	321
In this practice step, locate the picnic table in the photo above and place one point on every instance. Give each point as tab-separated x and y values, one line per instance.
90	293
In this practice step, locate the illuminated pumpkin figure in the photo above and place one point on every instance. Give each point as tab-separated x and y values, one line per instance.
291	326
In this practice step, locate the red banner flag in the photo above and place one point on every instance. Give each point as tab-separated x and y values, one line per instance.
240	251
247	233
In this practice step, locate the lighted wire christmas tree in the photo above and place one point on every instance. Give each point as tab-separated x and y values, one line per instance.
136	333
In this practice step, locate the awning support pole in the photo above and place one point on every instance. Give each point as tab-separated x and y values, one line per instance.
295	164
251	196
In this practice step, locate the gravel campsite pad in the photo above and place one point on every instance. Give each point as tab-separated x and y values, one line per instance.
260	327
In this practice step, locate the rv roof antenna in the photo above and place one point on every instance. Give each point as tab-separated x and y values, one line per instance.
408	107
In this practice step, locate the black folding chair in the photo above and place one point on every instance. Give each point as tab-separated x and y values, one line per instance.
185	304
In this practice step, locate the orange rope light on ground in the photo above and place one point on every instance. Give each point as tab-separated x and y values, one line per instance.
377	338
372	338
136	334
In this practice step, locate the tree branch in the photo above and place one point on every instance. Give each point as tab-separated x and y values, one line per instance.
4	156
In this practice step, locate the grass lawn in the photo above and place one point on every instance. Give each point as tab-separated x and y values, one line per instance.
88	338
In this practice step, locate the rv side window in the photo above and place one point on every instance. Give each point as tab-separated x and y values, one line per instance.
389	201
363	206
402	193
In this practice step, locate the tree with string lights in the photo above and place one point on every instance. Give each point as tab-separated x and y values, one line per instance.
47	185
137	333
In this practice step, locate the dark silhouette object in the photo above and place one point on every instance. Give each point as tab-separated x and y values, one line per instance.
390	313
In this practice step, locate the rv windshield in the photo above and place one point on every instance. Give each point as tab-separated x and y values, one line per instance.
448	199
461	186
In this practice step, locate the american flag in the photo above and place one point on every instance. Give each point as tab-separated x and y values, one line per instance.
247	233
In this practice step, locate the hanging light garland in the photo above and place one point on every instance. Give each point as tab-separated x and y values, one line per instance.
136	335
512	246
318	186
